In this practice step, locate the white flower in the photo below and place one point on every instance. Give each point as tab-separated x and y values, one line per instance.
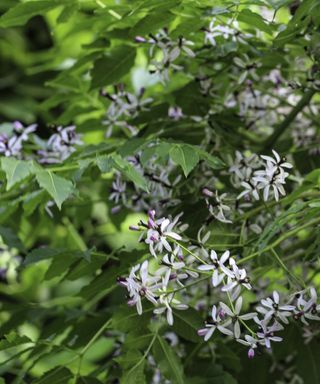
217	266
243	167
248	66
273	176
271	179
216	205
118	190
228	31
216	323
307	309
183	45
23	132
251	188
175	113
236	278
140	286
276	163
271	309
266	335
235	314
159	231
10	146
173	265
167	300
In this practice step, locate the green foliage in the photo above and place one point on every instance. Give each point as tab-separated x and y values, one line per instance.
184	156
57	187
15	170
169	362
110	69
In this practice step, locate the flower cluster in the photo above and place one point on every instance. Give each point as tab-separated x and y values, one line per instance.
170	51
228	31
216	205
56	149
60	145
168	281
270	180
123	105
161	182
12	144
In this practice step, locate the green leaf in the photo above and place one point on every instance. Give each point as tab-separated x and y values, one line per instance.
105	163
186	324
130	172
168	361
255	20
133	363
68	11
22	12
11	239
12	340
58	375
16	170
213	161
308	362
110	69
40	254
62	261
33	200
151	23
135	375
185	156
57	187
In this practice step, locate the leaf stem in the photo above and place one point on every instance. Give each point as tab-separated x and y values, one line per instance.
280	240
305	99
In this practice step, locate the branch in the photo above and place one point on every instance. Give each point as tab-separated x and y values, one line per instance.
280	129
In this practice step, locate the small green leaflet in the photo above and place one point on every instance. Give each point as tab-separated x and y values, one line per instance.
185	156
151	23
254	20
11	238
16	170
57	187
133	364
32	201
168	361
213	161
12	340
58	375
106	163
186	323
109	70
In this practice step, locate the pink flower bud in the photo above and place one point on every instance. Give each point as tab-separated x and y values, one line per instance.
251	353
202	332
134	228
139	39
222	313
131	303
17	125
207	192
115	210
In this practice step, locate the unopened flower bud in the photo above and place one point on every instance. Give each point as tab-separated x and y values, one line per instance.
207	192
140	39
134	228
251	353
